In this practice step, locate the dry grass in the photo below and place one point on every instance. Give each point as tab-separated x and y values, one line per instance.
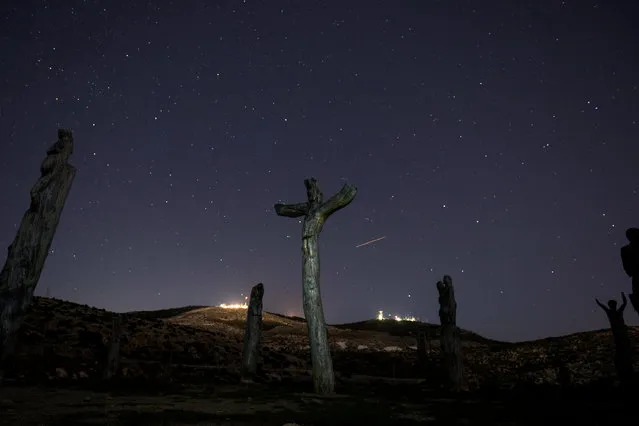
59	335
181	366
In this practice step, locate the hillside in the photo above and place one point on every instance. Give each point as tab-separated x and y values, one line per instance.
61	339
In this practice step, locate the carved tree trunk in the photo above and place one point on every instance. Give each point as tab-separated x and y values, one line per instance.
113	359
623	348
315	213
623	356
634	297
449	337
252	333
29	250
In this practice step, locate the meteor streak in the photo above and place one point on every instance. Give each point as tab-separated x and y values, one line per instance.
370	242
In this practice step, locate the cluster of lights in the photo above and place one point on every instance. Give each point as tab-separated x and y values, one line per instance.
380	317
235	305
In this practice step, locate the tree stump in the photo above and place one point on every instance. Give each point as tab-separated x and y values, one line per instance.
315	213
449	335
30	248
423	350
252	334
113	358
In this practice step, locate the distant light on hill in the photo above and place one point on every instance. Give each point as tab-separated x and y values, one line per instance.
397	318
380	317
234	306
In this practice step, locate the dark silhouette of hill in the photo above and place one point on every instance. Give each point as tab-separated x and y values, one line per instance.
236	317
160	314
65	339
410	328
292	317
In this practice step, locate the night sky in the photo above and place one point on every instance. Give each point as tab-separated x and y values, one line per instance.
494	141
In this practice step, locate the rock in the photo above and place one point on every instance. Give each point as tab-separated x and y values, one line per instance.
273	377
194	353
61	373
7	403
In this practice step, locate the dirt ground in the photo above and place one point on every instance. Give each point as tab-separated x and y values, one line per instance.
356	403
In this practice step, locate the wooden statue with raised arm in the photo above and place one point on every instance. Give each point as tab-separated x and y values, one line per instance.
315	212
623	349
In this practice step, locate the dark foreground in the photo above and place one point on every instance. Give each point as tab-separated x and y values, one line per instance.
357	403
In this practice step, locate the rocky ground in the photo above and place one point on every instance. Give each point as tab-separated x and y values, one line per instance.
290	404
184	363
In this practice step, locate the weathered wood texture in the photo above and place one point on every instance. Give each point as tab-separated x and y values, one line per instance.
252	334
449	337
29	250
113	359
630	263
623	348
423	352
423	347
634	296
316	212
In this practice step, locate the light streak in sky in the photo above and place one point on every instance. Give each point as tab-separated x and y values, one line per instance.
370	242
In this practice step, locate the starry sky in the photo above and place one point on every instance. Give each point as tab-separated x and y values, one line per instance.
492	141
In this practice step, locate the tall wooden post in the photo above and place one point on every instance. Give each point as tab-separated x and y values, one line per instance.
29	250
449	335
315	213
113	358
630	263
423	350
252	334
